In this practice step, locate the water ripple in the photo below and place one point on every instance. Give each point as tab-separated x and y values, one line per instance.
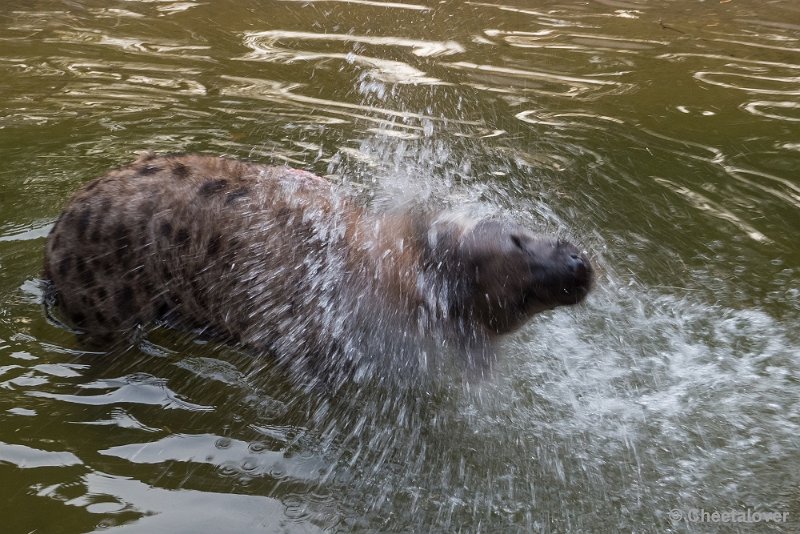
371	3
549	38
155	509
772	109
736	80
563	85
232	457
37	230
380	69
679	56
171	8
121	419
25	457
545	18
133	389
281	93
703	203
134	45
264	41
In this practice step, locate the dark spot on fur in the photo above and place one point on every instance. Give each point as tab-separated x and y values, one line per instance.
125	302
105	207
242	325
179	170
86	277
284	216
108	267
123	256
78	318
100	318
214	245
166	273
121	233
146	210
64	265
56	243
163	309
83	222
101	293
149	170
123	239
235	194
211	187
69	217
165	229
182	237
92	185
198	293
96	236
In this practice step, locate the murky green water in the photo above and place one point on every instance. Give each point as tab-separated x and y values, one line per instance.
664	136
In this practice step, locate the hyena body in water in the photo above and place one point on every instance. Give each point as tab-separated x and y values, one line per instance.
282	261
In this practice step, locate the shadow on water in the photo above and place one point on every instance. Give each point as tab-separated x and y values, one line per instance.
661	137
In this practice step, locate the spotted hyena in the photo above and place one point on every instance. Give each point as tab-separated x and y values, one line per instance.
282	261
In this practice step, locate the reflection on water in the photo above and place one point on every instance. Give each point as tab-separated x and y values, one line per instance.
662	136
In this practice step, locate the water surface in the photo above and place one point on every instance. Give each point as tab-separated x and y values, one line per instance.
663	136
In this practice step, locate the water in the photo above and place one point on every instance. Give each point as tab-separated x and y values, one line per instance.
664	137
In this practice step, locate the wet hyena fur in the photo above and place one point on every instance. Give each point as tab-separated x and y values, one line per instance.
283	262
